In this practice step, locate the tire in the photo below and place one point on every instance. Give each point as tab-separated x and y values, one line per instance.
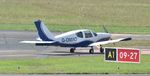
91	51
72	50
101	50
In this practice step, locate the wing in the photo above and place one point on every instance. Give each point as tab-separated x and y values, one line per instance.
36	42
110	41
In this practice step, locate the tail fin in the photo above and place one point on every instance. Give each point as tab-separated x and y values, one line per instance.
43	31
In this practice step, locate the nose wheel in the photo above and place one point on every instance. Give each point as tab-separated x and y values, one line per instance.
72	50
101	50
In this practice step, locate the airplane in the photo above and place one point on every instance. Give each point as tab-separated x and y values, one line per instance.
72	39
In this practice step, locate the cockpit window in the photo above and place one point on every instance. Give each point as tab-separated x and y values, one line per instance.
88	34
79	34
95	34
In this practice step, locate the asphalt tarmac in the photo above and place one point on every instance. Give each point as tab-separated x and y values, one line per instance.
10	46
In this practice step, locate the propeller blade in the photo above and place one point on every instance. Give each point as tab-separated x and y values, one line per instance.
105	29
107	32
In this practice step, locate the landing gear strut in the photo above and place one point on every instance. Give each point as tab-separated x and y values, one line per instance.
72	50
91	51
101	49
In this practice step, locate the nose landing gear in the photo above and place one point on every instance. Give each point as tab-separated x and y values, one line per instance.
101	49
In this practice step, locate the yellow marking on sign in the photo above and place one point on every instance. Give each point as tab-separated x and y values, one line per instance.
109	55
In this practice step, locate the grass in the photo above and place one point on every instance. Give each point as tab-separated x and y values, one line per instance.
119	16
65	28
77	65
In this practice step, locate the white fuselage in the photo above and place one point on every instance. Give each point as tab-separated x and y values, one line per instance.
74	37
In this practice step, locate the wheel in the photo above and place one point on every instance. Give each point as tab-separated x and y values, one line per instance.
72	50
91	51
101	50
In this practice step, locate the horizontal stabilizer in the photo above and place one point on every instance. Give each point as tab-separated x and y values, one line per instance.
110	41
36	42
127	39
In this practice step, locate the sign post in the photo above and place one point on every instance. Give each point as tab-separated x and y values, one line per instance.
125	55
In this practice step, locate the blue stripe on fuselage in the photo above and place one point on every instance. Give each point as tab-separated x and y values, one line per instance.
80	44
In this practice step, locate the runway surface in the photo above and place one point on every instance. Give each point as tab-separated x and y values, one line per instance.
10	46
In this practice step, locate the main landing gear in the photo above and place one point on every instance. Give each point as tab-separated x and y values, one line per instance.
91	51
72	50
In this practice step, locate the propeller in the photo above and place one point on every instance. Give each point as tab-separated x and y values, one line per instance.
107	32
105	29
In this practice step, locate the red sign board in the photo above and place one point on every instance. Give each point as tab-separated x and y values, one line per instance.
128	55
122	55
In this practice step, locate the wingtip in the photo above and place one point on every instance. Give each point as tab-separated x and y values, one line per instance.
127	39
